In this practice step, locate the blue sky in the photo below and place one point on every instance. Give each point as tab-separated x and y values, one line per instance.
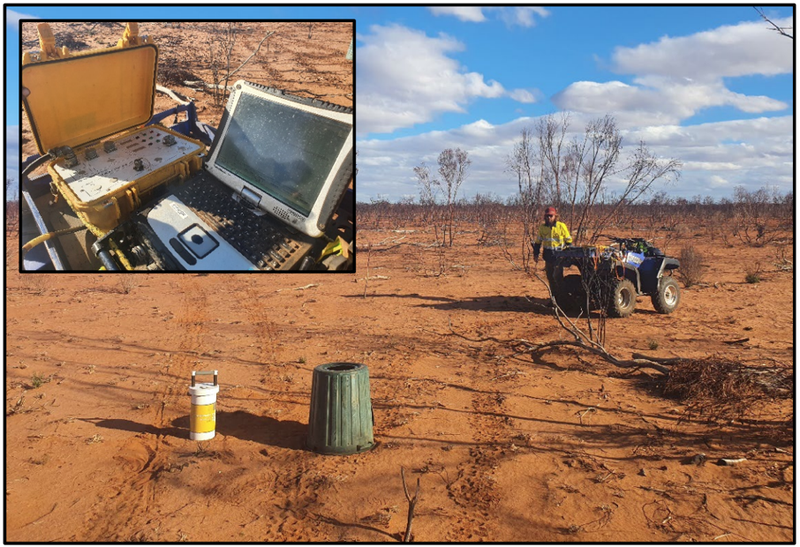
711	86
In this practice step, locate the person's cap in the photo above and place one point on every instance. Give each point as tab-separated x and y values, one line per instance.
550	211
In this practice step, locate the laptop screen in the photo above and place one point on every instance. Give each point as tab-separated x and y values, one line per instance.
289	153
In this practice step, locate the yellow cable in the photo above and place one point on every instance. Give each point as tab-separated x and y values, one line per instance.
123	259
49	235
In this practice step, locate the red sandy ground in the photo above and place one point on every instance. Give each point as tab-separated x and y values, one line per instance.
561	447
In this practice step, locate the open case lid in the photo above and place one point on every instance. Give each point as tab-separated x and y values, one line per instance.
73	99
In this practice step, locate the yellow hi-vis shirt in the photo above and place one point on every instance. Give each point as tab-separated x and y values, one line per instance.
551	238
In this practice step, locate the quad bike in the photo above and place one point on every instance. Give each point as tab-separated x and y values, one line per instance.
612	277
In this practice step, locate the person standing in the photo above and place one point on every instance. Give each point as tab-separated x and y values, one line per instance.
552	236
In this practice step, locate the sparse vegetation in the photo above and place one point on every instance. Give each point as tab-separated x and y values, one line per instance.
692	266
753	273
762	216
37	380
724	389
127	282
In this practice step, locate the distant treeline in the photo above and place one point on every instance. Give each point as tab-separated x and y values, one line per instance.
755	217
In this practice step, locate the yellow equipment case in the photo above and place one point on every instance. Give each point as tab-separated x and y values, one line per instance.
88	110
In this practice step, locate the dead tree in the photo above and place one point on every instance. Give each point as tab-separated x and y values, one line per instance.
427	198
594	160
644	170
776	28
453	167
412	503
551	132
221	53
523	163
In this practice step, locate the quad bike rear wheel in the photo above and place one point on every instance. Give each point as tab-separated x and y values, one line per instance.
668	295
623	299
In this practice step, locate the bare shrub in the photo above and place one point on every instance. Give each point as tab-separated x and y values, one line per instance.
692	266
759	215
127	282
721	389
453	171
784	261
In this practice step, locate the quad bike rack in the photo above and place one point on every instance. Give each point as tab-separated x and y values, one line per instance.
613	276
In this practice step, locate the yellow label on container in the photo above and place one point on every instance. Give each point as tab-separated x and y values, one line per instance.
203	418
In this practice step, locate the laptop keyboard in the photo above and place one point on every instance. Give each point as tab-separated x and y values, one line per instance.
263	240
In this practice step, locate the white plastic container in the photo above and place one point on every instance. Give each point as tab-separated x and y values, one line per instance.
203	417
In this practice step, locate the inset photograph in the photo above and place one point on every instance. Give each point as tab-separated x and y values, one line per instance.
204	146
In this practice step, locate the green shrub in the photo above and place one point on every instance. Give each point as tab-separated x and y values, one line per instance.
753	273
37	380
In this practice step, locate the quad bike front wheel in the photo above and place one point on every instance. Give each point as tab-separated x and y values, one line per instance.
623	299
668	295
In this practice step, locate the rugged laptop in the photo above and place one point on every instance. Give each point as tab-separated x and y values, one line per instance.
276	172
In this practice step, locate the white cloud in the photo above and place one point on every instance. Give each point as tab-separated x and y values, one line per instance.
523	96
12	151
739	50
469	14
480	128
716	156
12	159
523	16
675	78
406	77
716	181
13	17
12	138
658	100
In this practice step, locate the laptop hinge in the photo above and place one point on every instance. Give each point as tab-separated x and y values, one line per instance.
250	196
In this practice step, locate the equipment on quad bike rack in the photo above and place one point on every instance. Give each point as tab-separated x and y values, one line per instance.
123	192
612	276
41	214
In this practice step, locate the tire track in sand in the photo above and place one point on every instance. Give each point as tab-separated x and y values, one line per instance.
475	493
304	476
124	517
